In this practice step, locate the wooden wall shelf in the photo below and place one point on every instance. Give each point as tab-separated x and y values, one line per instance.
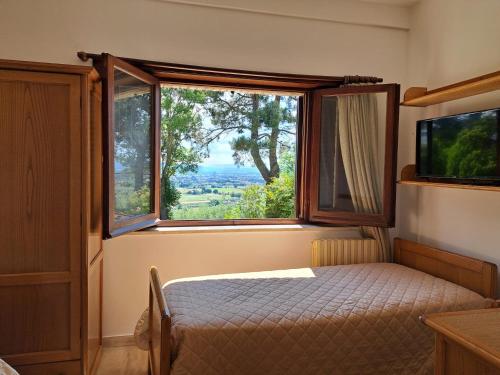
408	178
420	97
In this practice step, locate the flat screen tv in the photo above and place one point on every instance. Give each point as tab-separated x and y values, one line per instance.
463	148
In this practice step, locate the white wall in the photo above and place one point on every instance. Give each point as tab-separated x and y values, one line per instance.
54	30
450	41
336	41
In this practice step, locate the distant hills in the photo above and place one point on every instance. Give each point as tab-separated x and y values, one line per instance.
227	169
219	175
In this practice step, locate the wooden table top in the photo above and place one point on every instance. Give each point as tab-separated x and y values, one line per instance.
476	330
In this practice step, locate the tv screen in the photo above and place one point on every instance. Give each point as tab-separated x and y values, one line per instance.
462	147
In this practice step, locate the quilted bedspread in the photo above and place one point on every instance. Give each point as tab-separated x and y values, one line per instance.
353	319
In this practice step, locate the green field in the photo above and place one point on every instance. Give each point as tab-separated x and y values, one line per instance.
223	194
206	205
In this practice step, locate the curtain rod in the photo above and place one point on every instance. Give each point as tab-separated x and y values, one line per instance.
164	67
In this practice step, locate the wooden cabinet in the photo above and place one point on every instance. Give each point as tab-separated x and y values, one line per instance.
50	218
94	309
467	342
94	224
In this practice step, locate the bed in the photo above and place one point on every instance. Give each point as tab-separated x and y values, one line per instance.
352	319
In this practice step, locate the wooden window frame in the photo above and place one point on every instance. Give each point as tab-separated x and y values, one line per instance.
308	88
387	217
112	228
299	199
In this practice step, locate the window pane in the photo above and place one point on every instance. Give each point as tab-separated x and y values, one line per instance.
227	154
132	146
352	145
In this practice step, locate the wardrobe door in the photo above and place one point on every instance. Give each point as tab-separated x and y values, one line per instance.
40	216
94	243
94	313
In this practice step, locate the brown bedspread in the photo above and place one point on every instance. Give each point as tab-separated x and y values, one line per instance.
354	319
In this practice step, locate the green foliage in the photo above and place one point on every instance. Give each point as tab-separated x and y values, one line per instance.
131	147
273	200
474	153
201	213
288	160
133	202
182	145
465	149
132	119
214	202
280	197
252	204
141	198
169	198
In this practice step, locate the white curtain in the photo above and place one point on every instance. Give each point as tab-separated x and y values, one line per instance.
358	137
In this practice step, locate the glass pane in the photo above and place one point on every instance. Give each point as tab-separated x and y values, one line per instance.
352	146
132	147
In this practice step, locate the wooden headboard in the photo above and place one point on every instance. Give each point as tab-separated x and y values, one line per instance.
471	273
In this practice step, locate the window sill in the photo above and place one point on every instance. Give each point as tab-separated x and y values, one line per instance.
242	228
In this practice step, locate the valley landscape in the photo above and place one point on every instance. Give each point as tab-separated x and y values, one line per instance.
213	191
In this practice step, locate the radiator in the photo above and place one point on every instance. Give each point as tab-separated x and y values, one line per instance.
344	251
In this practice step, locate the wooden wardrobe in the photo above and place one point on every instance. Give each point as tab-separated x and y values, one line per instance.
50	218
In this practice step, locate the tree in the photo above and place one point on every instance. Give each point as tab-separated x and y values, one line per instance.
475	151
251	206
132	135
280	197
182	145
265	124
280	193
132	152
273	200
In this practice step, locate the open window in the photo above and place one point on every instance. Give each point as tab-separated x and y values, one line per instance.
131	147
228	156
353	155
315	149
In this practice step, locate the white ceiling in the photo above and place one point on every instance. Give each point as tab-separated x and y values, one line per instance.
403	3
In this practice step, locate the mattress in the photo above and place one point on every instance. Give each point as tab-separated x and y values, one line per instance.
352	319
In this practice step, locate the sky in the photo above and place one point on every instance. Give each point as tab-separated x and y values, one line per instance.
220	152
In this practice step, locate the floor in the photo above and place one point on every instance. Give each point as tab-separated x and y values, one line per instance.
123	360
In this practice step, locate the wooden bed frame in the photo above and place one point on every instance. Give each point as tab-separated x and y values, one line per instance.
471	273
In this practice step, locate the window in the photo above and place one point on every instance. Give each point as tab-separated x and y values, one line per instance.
132	199
189	145
227	154
353	158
